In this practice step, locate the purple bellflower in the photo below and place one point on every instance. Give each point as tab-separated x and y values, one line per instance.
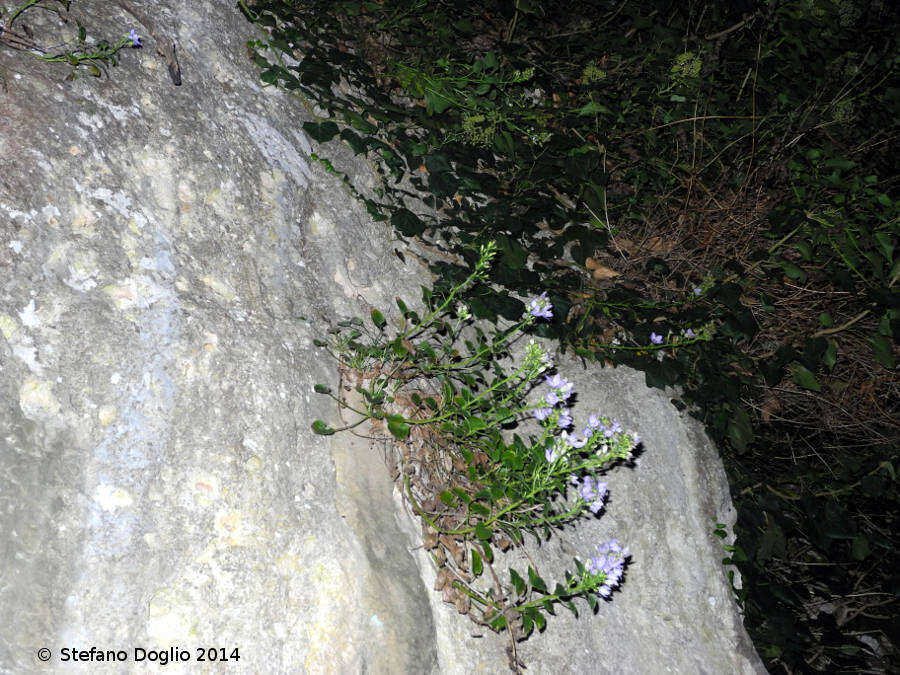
540	307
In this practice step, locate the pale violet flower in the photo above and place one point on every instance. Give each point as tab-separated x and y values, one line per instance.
594	421
555	451
552	398
573	441
689	333
560	386
462	311
540	307
564	421
697	290
656	339
134	37
541	414
593	492
611	564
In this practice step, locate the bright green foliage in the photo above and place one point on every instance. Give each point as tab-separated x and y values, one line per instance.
445	404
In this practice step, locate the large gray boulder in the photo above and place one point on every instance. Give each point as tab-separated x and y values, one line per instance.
160	488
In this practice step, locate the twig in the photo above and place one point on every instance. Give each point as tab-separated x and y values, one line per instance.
737	26
838	329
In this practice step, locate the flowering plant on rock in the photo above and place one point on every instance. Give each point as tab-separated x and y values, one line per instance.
477	490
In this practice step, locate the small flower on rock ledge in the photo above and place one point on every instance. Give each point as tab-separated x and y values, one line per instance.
540	307
611	563
135	38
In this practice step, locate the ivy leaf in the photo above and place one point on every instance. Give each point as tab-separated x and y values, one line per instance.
793	271
740	431
359	123
321	131
829	358
804	377
881	347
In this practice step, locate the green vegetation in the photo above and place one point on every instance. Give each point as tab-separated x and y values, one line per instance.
707	191
474	491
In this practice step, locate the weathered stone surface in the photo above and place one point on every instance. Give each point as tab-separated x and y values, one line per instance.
159	484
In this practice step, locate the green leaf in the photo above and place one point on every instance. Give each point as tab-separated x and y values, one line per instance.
319	427
793	271
483	532
884	354
475	424
805	250
378	319
322	389
321	131
825	320
887	247
437	163
517	581
488	552
803	377
357	143
447	497
843	164
431	403
527	623
359	123
477	566
398	427
740	431
860	548
593	108
536	581
829	358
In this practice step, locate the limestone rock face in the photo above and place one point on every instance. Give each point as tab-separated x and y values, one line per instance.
167	255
